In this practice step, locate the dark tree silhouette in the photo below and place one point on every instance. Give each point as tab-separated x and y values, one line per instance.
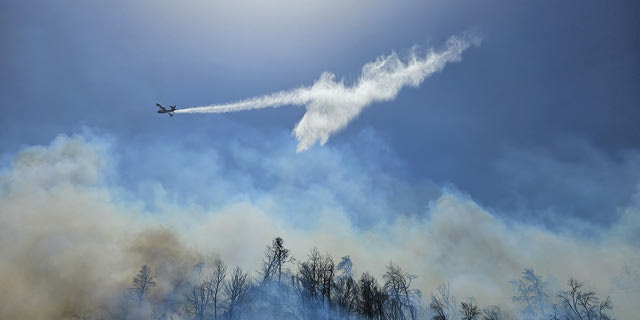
438	309
217	280
275	256
402	299
583	305
141	284
236	290
314	283
198	299
321	290
443	304
469	311
372	298
346	289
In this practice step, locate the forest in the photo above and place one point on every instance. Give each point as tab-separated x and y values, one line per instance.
319	287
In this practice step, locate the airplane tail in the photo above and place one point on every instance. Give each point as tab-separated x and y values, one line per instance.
173	108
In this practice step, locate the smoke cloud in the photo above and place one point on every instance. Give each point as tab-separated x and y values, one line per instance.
331	104
69	244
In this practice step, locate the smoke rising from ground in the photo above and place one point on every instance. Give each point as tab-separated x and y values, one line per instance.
331	104
69	244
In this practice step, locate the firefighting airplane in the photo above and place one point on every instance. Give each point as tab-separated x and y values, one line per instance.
164	110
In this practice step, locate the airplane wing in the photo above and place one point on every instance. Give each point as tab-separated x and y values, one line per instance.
160	106
170	114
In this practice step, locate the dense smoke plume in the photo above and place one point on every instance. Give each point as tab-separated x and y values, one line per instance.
331	104
69	243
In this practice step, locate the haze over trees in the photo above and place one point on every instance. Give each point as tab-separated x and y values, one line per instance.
315	287
530	295
141	284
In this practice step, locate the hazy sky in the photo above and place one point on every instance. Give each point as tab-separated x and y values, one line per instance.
538	124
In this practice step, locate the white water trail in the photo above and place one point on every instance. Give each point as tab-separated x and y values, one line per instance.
331	104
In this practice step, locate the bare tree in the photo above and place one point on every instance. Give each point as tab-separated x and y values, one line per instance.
372	298
141	283
328	272
530	293
401	297
272	291
469	311
310	275
315	280
346	289
236	290
216	281
583	305
198	299
275	256
443	304
317	275
204	299
438	309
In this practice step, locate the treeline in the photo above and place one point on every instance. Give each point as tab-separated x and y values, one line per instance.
319	288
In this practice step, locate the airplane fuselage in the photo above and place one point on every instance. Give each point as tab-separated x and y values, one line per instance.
165	110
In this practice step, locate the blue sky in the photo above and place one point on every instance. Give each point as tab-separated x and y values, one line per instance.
529	145
552	90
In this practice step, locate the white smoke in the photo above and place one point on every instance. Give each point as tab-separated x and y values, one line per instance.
69	243
331	104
